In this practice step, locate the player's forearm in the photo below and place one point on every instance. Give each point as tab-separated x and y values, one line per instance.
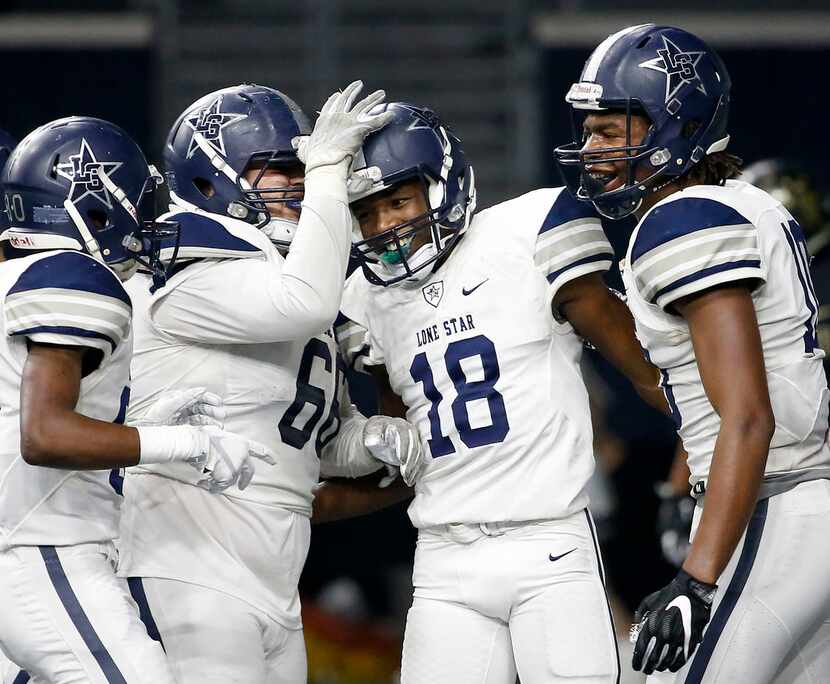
604	320
311	282
342	499
65	439
731	493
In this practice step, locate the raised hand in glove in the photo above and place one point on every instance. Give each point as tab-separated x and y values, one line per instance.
669	624
398	444
341	128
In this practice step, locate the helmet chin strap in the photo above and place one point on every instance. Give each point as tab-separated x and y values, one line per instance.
219	163
216	159
90	243
118	194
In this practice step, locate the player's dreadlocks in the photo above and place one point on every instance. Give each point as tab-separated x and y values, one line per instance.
715	168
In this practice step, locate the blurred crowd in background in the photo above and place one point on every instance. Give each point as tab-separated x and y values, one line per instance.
497	71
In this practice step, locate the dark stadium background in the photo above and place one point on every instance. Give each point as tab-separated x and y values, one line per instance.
498	72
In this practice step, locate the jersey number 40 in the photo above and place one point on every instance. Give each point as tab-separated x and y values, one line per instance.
420	370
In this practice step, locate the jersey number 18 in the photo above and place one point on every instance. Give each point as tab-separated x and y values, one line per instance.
420	370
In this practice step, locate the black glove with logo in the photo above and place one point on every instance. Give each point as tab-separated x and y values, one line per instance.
669	624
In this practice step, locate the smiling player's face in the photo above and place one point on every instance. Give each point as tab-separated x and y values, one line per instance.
384	210
277	177
404	202
608	129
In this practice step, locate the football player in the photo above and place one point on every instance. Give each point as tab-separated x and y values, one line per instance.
74	190
474	327
718	281
252	289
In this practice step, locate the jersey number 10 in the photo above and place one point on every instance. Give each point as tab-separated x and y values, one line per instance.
481	346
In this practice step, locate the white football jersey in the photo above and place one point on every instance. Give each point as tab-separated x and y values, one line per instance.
706	236
217	323
489	378
66	298
205	328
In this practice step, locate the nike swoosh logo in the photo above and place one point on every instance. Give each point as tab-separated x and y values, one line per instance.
561	555
684	605
466	292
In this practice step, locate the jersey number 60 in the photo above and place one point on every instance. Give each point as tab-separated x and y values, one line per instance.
481	346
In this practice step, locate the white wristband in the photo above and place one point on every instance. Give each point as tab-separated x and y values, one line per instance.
166	443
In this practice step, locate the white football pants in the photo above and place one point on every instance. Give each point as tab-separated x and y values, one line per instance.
214	638
494	600
67	619
771	616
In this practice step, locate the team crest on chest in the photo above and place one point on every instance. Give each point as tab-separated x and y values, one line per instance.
433	293
209	123
82	170
680	67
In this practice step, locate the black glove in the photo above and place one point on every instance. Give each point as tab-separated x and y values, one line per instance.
674	522
669	624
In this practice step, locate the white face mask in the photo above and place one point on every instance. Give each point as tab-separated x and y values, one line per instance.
280	229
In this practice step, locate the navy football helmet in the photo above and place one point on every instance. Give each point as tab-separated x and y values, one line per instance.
673	78
414	145
224	133
82	183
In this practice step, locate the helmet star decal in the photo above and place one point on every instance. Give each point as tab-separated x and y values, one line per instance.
209	123
82	170
680	67
420	118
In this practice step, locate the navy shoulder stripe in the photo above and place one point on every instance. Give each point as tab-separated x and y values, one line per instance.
682	217
71	271
197	230
566	208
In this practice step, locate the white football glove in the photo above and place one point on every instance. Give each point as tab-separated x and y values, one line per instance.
396	443
229	461
341	128
192	406
223	458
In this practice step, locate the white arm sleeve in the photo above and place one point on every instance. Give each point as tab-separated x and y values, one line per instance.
242	301
345	455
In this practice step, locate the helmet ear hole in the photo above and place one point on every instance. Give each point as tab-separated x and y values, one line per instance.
205	187
98	218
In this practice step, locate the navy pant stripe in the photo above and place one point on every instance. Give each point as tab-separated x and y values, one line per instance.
22	677
79	617
602	576
730	597
144	612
